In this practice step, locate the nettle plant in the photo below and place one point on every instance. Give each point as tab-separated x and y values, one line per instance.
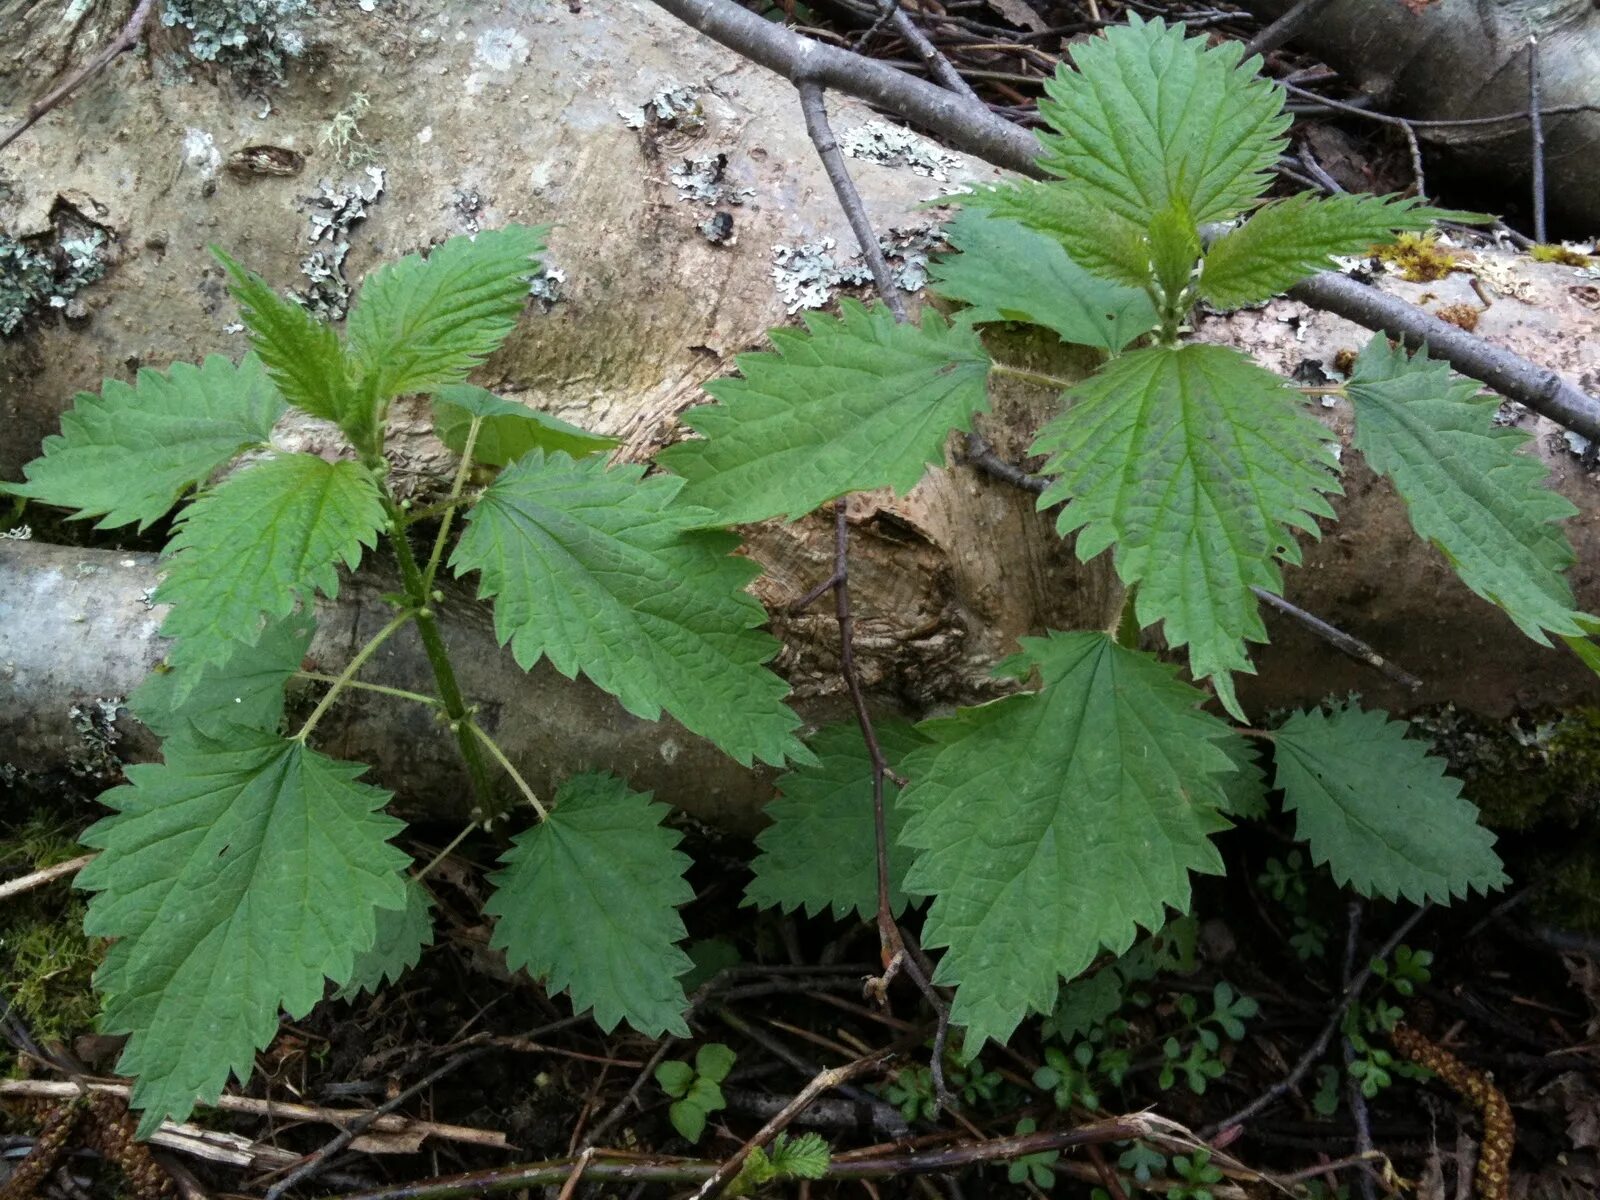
248	868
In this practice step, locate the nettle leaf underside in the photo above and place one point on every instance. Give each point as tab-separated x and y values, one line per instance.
506	430
127	453
235	877
1150	117
597	569
1006	271
1379	809
1053	824
264	540
588	902
1197	466
854	403
1468	488
820	851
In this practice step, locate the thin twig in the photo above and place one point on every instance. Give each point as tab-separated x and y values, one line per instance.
1340	640
822	1082
1319	1047
1353	1094
938	65
17	887
322	1158
895	953
126	40
1536	135
1284	28
816	116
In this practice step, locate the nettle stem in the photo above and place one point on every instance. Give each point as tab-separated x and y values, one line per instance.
455	705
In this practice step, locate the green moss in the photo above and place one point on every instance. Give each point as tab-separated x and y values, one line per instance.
1559	254
1419	258
46	962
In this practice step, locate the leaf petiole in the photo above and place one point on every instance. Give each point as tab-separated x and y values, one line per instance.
349	673
456	486
1034	377
499	756
381	689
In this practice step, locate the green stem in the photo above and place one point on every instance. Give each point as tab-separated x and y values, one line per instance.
1036	377
438	858
455	706
499	756
381	689
349	673
460	481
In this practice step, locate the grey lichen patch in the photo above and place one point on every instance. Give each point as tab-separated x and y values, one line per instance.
96	724
37	275
891	145
673	106
705	181
333	211
548	286
811	274
253	36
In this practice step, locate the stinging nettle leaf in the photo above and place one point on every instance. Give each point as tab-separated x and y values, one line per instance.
1100	242
597	569
420	324
1379	809
1196	465
588	902
235	877
1467	488
245	690
854	403
263	541
1008	272
1150	116
1051	824
302	355
402	934
127	453
509	430
820	852
1288	240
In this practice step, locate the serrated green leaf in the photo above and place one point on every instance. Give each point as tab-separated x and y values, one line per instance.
1196	464
1288	240
1100	242
713	1061
419	325
1150	116
1055	823
1466	488
263	541
127	453
1244	791
803	1157
1008	272
601	572
235	877
1083	1004
302	355
1379	809
820	851
509	430
588	902
246	690
1174	249
675	1076
397	947
854	403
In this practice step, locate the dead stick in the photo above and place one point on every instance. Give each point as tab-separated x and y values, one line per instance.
38	879
126	40
1536	129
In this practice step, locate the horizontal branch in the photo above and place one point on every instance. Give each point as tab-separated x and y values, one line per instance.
971	127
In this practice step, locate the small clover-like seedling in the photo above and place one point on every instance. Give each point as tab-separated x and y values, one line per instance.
696	1090
1198	1174
1038	1169
1067	1077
